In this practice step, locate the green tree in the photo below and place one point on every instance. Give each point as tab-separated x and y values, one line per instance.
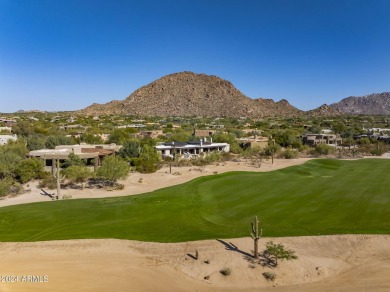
78	174
179	135
5	186
29	169
149	159
10	156
130	149
228	138
91	139
36	142
112	169
53	141
120	136
73	160
23	128
275	252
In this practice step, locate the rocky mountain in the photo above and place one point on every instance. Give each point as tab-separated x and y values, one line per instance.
190	94
324	111
373	104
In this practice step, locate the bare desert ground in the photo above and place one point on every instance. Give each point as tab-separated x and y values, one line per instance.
325	263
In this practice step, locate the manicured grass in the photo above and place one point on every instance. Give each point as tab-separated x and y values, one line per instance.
319	197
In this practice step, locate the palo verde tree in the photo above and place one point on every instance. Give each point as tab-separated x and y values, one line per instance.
149	159
78	174
29	169
275	252
256	236
112	169
73	160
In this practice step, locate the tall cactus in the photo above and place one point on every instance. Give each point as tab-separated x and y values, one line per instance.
59	178
256	236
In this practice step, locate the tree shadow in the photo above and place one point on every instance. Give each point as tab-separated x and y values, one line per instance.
264	259
230	246
52	196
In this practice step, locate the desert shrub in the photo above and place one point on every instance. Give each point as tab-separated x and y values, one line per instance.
290	154
199	162
213	157
324	149
225	271
78	174
5	186
183	162
270	276
48	182
363	141
119	187
29	169
67	197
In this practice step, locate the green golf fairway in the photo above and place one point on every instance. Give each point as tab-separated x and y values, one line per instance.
318	197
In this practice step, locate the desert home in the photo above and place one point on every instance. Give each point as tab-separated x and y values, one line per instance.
83	151
153	134
5	138
203	133
315	139
188	150
253	142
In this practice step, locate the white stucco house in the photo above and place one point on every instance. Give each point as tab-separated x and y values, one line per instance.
5	138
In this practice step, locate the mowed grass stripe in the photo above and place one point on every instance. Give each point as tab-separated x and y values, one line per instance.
319	197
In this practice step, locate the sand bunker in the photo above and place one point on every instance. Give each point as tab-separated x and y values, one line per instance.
325	263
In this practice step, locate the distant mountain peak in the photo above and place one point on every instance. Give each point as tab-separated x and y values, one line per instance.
191	94
372	104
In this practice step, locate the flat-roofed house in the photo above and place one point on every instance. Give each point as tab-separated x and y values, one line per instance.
5	138
83	151
203	133
188	150
153	134
253	142
315	139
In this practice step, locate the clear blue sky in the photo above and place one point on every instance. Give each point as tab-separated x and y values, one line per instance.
68	54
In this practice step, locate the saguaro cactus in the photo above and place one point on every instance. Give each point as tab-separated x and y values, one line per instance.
256	236
59	178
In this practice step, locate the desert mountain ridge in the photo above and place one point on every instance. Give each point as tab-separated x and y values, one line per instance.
190	94
372	104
